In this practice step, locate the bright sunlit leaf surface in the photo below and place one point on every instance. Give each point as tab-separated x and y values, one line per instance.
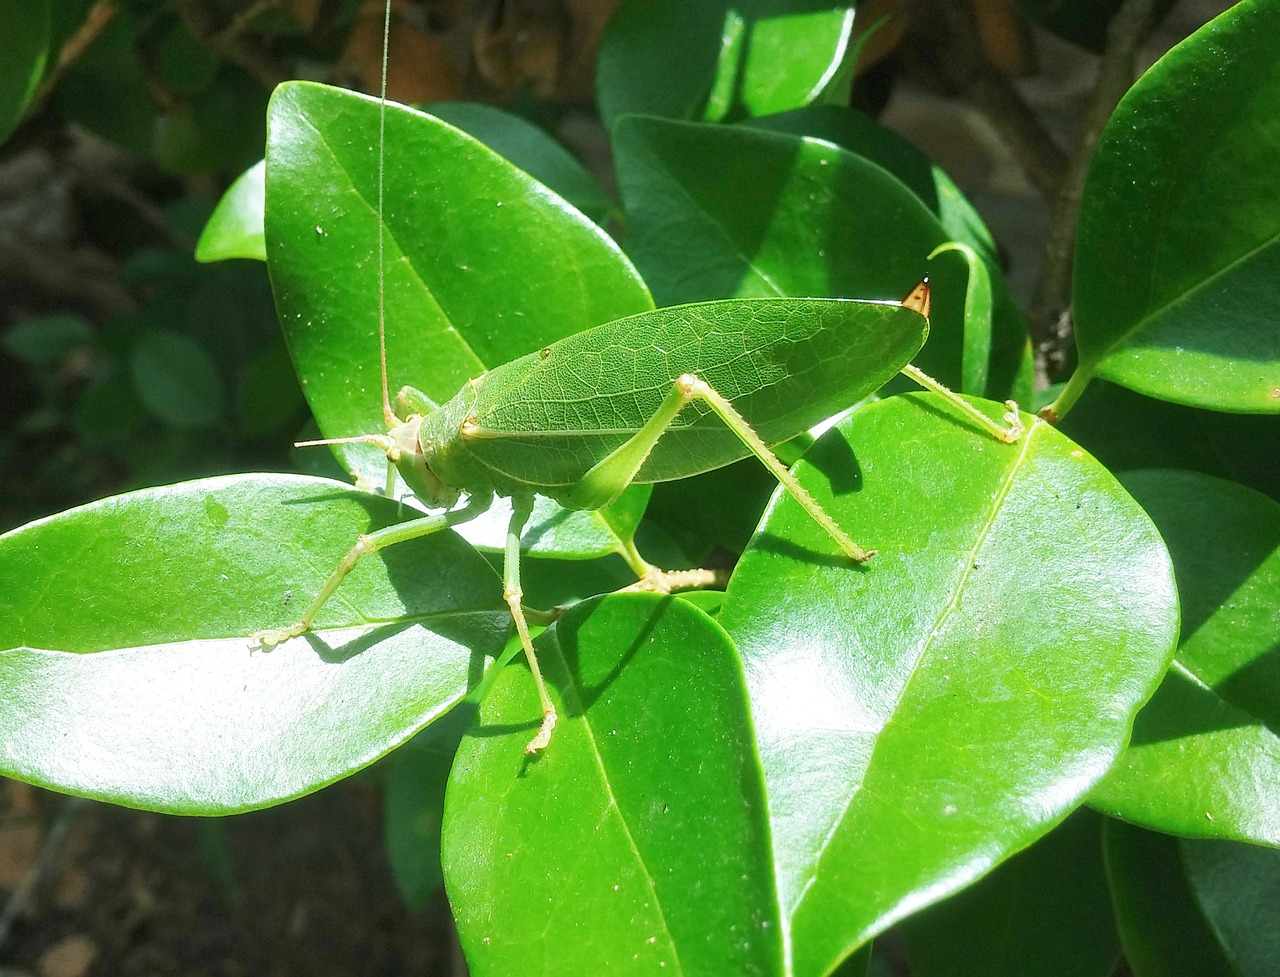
924	716
1177	271
234	229
130	675
637	843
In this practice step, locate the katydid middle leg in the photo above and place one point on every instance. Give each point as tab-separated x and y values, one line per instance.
367	544
602	484
521	509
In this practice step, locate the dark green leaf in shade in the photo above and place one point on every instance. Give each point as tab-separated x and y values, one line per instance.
1125	430
1083	22
1177	271
637	843
413	811
1205	755
1009	366
177	380
47	339
1045	912
924	716
1193	907
835	224
130	674
268	400
105	90
483	264
26	48
532	149
724	61
234	229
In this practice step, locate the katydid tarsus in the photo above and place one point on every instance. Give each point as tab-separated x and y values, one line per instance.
653	397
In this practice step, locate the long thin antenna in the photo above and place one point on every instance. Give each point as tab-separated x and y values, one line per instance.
387	413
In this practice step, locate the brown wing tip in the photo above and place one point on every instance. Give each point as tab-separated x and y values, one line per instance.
920	298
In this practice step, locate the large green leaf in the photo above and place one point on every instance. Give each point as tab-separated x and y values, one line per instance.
827	223
532	149
1177	270
636	843
724	60
26	46
483	263
130	674
928	714
1190	907
1205	756
1044	912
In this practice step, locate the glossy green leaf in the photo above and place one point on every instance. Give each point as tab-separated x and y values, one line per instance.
234	229
724	61
1188	906
1178	253
926	715
176	379
1205	756
532	149
1045	912
130	674
1125	430
975	360
835	224
636	843
26	47
484	263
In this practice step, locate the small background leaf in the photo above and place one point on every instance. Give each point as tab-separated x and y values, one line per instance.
176	380
130	675
1205	755
637	842
234	229
26	40
727	60
1177	267
925	716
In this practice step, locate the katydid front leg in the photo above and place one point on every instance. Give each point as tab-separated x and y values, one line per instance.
371	543
604	482
521	509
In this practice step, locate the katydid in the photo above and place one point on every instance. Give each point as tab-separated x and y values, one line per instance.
658	396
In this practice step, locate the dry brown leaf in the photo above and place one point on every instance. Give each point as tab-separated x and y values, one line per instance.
419	68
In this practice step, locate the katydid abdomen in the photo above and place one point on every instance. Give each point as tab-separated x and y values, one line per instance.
540	423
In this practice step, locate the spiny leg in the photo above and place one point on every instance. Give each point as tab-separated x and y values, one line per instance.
372	543
609	477
521	509
1009	435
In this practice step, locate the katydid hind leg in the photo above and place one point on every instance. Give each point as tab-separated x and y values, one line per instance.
602	484
521	509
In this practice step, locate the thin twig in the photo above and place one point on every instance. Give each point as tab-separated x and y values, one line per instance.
80	277
100	15
53	842
231	42
965	67
1049	319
